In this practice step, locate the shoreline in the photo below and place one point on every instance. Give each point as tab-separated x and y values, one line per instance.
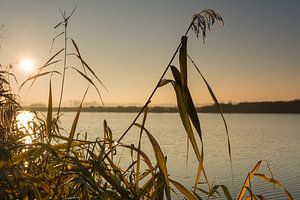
277	107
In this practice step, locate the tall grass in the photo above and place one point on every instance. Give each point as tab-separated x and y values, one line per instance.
59	166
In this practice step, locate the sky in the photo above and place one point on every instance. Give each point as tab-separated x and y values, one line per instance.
128	43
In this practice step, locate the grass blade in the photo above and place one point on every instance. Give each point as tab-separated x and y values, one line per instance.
275	182
160	158
49	112
226	192
183	190
90	80
248	180
182	107
216	102
74	124
37	76
36	192
183	60
56	54
164	82
139	148
94	74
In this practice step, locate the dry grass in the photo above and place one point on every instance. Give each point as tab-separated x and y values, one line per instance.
64	167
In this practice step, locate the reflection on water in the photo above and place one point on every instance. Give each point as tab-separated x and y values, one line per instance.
272	137
24	123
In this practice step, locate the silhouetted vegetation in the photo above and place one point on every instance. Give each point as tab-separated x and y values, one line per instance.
243	107
41	160
256	107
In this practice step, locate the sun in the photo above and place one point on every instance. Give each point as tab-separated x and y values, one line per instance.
26	65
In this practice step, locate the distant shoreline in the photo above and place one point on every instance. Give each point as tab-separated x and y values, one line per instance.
243	107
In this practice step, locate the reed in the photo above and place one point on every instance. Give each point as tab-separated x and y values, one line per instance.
59	166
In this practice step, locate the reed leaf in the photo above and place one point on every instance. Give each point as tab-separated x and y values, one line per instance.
160	186
74	124
49	112
226	192
183	111
78	54
183	60
118	173
56	54
93	73
58	25
86	175
139	147
48	64
248	180
163	82
90	81
160	158
149	185
62	146
76	48
275	182
189	195
143	154
111	179
36	192
252	195
53	40
21	156
212	94
37	76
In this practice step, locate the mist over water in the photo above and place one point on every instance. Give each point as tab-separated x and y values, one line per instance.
254	137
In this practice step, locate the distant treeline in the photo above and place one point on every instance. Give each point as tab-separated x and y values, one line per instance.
244	107
121	109
256	107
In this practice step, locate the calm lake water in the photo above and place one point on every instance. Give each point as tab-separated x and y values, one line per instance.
254	137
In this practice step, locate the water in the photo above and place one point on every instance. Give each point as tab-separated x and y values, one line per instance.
254	137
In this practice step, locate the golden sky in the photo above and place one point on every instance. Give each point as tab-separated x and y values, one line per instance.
128	43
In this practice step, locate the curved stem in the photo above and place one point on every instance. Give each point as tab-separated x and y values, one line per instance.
59	105
157	85
153	92
64	71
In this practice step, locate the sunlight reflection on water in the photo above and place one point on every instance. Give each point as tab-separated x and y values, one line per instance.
24	123
272	137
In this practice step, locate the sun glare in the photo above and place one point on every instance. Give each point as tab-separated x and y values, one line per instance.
24	123
26	65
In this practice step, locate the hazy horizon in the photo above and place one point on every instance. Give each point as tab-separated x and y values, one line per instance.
254	57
